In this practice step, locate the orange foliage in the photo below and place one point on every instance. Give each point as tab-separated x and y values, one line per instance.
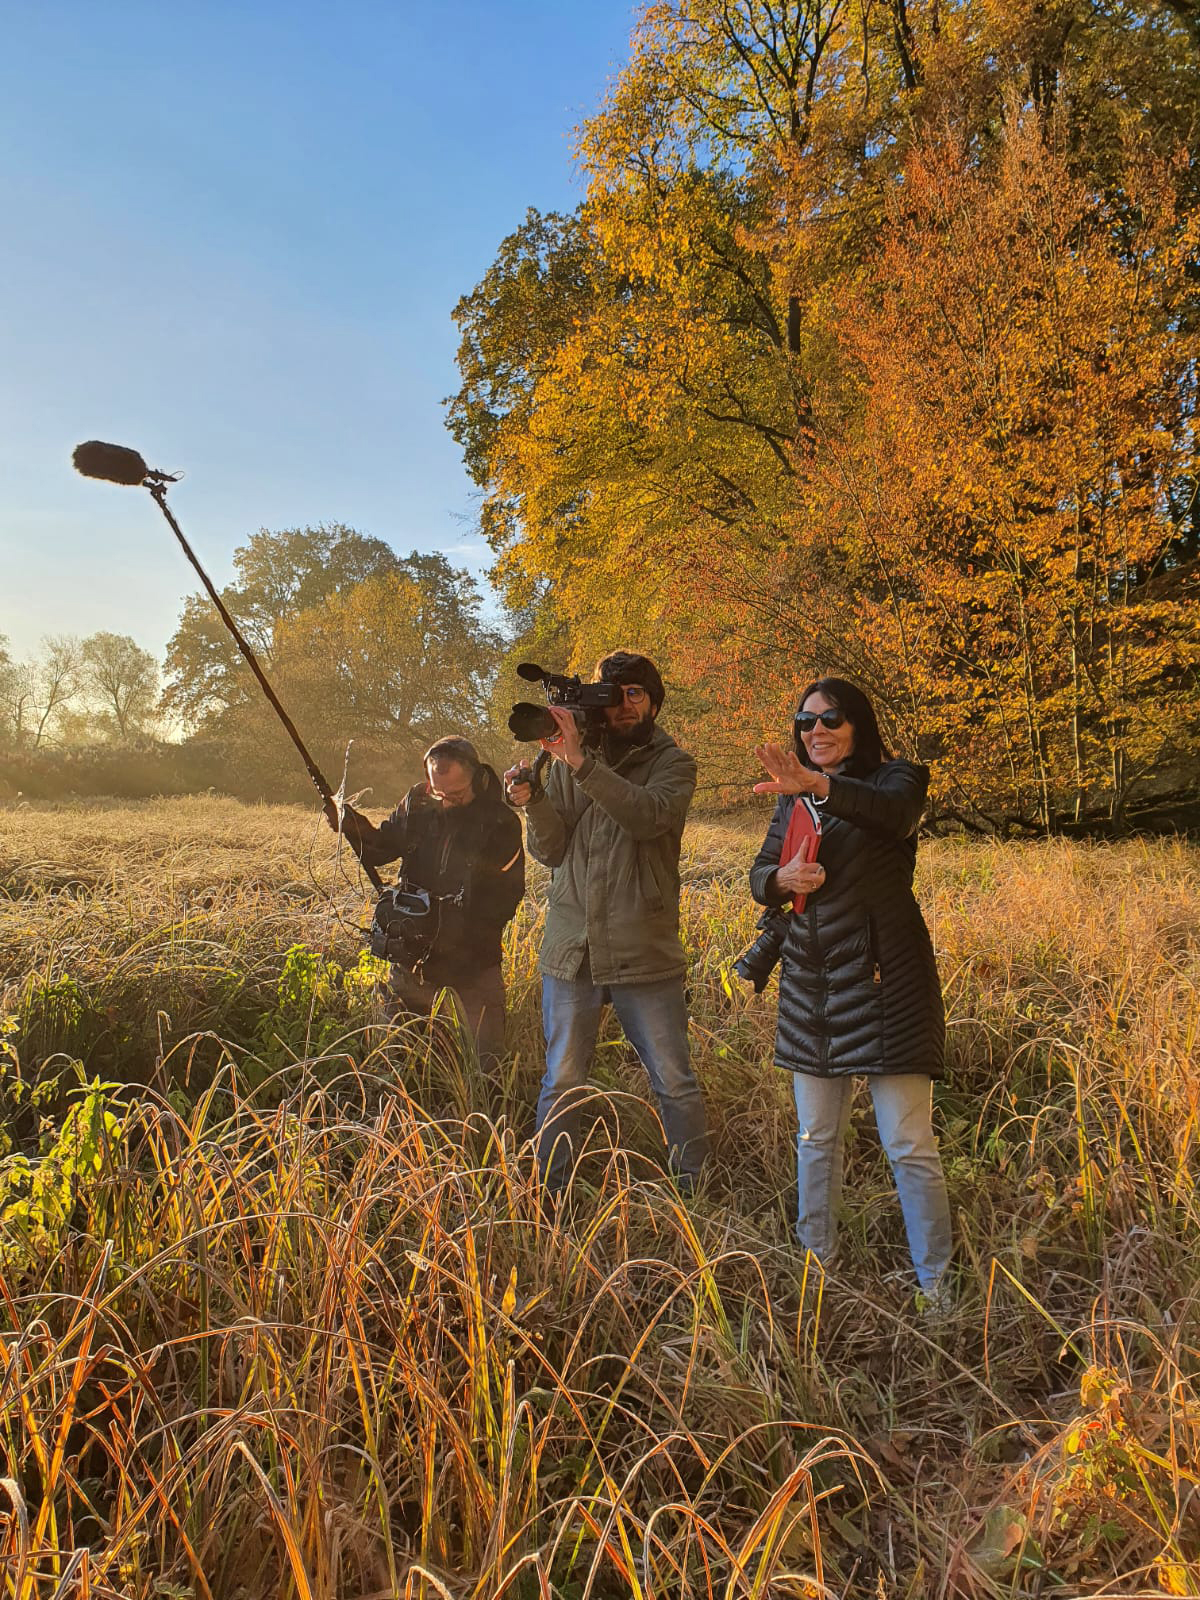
877	353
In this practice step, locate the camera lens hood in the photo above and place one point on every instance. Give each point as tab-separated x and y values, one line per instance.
529	721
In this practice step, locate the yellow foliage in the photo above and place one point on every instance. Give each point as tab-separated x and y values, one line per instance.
871	366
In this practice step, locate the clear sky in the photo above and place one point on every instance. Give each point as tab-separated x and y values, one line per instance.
233	236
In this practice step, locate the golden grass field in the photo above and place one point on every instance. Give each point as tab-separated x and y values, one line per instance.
281	1315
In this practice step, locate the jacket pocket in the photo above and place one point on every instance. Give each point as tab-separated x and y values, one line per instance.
873	951
647	882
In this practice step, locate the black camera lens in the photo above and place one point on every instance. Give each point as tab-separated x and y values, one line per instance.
754	969
757	963
529	721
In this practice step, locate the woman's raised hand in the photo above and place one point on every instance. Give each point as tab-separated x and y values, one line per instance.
788	773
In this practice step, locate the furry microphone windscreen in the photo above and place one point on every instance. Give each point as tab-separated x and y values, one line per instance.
112	462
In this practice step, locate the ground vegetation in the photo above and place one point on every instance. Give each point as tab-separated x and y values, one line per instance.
281	1313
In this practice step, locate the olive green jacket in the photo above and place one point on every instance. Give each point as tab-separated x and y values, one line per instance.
610	835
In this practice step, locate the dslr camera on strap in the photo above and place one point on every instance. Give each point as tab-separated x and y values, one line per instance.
758	962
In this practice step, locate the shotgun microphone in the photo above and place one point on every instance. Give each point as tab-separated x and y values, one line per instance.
115	464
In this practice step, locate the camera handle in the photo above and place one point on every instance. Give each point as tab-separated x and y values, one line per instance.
532	775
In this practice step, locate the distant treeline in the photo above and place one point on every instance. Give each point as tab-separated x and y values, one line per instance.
77	691
374	655
154	767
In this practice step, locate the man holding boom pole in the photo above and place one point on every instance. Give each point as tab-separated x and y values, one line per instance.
462	853
461	845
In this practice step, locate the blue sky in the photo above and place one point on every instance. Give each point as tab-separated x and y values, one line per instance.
234	235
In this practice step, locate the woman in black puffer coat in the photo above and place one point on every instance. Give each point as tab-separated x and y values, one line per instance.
858	986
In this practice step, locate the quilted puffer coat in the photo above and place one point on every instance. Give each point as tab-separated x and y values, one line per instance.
858	983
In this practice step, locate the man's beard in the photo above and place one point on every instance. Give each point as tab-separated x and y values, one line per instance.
639	733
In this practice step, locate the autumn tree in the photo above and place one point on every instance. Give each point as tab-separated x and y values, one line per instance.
705	433
278	574
547	276
665	398
398	659
360	644
121	681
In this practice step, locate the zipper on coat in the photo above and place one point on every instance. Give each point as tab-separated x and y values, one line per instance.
820	1031
873	950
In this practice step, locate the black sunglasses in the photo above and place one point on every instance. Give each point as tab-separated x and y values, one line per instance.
806	721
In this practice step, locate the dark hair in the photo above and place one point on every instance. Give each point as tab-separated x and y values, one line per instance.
627	666
869	749
452	748
484	779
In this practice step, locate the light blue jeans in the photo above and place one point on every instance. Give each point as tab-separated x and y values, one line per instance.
903	1114
654	1017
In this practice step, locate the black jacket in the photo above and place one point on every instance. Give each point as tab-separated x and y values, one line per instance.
858	984
474	850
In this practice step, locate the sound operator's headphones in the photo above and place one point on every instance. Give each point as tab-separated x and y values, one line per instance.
454	747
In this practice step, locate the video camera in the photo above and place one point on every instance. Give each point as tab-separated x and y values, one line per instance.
529	721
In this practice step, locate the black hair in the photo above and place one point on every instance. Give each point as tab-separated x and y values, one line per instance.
869	751
627	666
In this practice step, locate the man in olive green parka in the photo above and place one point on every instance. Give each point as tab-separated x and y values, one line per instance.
608	825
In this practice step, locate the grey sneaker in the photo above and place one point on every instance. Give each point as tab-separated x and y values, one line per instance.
937	1302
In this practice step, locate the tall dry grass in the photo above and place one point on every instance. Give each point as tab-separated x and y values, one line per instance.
281	1313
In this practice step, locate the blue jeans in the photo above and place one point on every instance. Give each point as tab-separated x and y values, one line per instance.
654	1017
903	1113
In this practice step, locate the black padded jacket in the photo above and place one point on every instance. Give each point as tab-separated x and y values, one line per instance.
858	983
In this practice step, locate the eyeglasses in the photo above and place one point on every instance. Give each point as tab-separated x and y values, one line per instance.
806	721
634	693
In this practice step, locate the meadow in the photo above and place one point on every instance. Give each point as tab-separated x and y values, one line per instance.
280	1313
